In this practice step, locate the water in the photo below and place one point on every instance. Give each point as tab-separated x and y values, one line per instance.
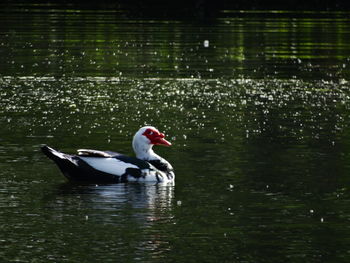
255	103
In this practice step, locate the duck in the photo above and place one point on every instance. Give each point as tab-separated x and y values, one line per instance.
97	166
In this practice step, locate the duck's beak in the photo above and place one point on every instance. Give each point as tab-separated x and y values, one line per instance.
160	140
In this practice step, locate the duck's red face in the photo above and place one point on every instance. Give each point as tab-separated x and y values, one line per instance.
156	137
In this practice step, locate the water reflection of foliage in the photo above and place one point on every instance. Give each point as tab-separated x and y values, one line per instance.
100	43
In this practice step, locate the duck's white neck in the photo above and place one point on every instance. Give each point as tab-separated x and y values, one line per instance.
144	150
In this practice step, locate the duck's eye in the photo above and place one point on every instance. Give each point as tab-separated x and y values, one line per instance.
150	132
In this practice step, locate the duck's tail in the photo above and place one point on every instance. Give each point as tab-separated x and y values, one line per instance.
64	161
53	154
76	169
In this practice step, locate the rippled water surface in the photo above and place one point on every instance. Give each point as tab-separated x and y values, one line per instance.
255	103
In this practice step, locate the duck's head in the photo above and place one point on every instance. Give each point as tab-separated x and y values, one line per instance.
145	138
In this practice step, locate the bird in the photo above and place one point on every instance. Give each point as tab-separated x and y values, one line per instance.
97	166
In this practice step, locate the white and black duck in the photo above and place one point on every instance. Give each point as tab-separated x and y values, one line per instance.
111	167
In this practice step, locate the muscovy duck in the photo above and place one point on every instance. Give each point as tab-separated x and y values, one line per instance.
111	167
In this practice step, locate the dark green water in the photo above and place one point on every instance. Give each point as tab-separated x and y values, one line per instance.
255	103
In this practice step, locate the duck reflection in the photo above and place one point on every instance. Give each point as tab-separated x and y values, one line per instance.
144	203
124	217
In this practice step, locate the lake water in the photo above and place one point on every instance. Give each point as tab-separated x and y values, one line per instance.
256	104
